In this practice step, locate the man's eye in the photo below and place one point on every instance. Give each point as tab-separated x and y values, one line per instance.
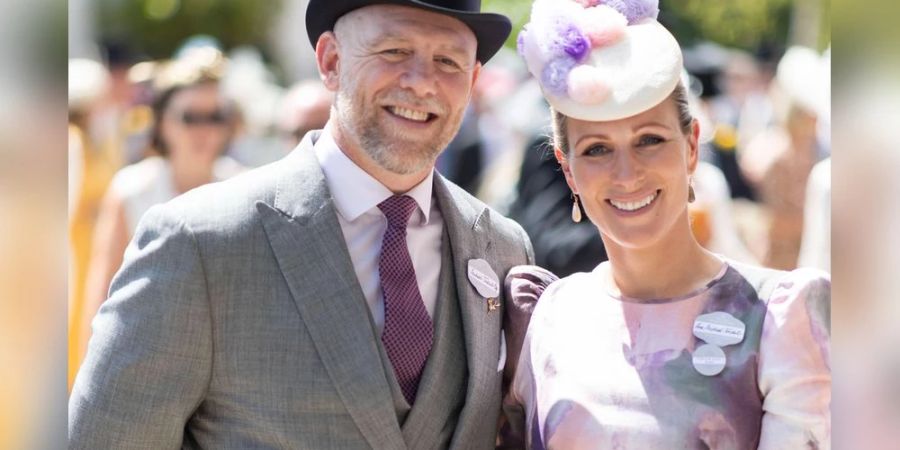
448	63
394	52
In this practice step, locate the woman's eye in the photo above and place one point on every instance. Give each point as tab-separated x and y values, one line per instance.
596	150
649	140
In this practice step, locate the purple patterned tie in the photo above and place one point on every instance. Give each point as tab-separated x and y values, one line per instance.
407	334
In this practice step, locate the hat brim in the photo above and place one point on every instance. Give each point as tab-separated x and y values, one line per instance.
491	30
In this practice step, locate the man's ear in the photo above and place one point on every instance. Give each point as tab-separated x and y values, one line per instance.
328	60
567	171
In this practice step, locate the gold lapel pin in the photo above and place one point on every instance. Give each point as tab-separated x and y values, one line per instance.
493	304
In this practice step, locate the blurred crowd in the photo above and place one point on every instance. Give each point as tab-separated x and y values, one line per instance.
143	131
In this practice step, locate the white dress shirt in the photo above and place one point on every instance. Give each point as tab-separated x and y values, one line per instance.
356	197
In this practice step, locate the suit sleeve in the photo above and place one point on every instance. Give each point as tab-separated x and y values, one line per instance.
149	360
529	248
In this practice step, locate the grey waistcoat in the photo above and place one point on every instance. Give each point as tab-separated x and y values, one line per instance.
432	419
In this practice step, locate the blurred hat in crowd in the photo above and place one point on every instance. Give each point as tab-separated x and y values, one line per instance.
803	76
88	82
600	61
306	106
203	64
490	29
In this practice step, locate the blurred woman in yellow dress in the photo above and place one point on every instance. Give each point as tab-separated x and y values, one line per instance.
92	164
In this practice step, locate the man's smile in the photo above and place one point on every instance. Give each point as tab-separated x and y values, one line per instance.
410	114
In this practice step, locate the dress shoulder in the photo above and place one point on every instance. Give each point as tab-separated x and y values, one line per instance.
802	293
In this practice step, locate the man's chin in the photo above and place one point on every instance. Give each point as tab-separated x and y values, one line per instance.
405	167
400	162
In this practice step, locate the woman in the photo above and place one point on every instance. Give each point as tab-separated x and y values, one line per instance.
666	345
193	126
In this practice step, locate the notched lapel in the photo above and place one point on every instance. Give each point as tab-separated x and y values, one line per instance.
306	238
470	230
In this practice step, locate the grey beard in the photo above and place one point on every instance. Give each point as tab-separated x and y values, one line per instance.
398	157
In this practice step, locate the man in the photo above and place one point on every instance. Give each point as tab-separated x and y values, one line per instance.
299	305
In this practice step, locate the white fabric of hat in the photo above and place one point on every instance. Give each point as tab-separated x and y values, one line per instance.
600	61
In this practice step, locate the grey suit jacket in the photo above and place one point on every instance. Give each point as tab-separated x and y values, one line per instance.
236	321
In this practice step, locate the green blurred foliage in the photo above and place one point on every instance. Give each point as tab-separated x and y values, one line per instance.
746	24
743	24
517	11
865	38
158	27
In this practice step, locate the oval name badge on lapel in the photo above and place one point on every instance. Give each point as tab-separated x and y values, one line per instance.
483	278
719	328
709	360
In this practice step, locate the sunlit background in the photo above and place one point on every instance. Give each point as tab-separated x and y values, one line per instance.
266	40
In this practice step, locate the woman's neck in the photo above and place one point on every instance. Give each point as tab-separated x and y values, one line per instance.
674	266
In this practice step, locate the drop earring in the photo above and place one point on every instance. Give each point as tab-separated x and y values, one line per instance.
576	209
691	196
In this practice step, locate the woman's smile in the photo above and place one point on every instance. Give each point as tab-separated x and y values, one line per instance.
633	207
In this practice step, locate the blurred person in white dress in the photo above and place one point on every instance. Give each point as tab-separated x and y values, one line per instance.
779	160
193	127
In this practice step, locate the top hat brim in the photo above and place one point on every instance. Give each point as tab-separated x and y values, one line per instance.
491	30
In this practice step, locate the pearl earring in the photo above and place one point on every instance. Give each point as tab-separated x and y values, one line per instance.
576	210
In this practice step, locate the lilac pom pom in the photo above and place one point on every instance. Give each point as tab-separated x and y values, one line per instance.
635	10
574	43
555	74
520	42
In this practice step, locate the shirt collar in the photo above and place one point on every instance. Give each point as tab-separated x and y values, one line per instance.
354	191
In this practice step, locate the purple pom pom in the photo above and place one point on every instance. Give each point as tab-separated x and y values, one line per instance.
635	10
555	75
520	42
574	42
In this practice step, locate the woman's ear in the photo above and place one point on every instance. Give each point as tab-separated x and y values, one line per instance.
567	170
694	146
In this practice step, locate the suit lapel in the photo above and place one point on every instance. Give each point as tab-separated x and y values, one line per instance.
306	237
469	229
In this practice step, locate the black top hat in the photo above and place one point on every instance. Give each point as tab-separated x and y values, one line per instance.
491	30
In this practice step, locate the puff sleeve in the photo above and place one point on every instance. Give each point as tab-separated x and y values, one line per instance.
794	363
524	285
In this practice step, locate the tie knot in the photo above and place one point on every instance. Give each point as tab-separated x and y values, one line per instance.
398	209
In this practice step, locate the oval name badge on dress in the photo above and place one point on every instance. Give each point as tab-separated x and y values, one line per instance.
483	278
709	360
719	328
